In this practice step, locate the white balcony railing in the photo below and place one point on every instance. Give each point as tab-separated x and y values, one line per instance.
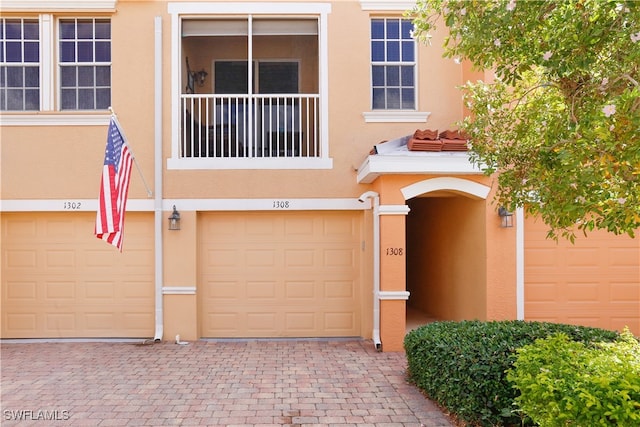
249	126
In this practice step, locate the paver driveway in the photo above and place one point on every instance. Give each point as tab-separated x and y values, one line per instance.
255	382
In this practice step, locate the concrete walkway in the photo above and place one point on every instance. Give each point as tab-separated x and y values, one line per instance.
206	383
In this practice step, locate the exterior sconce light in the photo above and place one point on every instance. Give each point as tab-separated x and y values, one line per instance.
174	219
506	217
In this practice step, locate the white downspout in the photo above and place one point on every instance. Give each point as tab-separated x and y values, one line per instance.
157	205
376	264
520	315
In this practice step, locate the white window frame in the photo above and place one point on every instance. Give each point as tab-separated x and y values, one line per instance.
48	60
180	10
396	7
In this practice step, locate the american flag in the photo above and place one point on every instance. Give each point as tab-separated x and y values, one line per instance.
114	187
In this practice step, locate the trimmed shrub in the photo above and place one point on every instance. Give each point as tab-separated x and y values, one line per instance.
564	383
462	365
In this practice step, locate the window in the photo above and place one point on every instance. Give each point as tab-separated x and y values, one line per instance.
19	64
393	64
85	64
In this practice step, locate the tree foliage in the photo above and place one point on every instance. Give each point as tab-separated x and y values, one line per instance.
561	120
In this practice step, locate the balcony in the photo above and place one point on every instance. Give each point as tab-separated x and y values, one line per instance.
241	126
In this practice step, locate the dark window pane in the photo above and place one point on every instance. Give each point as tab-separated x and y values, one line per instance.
103	51
103	76
408	99
3	98
407	76
86	77
393	76
31	52
68	99
231	77
13	29
377	51
14	52
378	99
31	29
103	99
103	29
377	29
67	52
32	77
407	26
393	29
85	28
32	99
15	100
2	51
85	99
408	50
393	51
377	75
85	51
15	77
3	73
67	30
68	76
393	99
278	77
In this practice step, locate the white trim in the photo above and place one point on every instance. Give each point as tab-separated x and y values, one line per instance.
467	188
453	163
520	290
270	204
393	210
67	205
251	163
396	116
148	205
54	119
247	7
58	5
179	290
387	5
393	295
47	62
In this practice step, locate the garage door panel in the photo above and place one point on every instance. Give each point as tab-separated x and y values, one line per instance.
60	281
291	269
594	282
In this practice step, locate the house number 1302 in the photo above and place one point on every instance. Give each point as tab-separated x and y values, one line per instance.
395	252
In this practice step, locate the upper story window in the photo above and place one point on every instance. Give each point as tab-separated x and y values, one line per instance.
85	64
251	88
393	64
19	64
33	78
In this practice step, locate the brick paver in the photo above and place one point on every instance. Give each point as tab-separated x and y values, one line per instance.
206	383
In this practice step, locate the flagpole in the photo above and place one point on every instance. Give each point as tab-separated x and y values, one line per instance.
135	161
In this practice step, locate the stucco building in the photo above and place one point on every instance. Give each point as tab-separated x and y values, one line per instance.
281	133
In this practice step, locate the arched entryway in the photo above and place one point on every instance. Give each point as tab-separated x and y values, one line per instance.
446	250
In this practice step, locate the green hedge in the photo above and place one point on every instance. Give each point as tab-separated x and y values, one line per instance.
564	383
462	365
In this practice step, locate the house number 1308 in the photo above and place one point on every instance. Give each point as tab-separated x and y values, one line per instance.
395	251
281	204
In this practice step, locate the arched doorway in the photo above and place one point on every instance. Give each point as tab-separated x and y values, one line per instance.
446	250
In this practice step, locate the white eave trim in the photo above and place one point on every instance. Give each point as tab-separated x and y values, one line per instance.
397	5
442	163
58	5
54	119
396	116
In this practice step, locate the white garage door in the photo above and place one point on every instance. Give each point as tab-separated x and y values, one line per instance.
60	281
284	274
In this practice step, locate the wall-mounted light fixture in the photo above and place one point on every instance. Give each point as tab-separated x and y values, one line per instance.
174	219
506	217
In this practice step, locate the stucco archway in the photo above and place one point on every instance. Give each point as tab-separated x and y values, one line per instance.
446	249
